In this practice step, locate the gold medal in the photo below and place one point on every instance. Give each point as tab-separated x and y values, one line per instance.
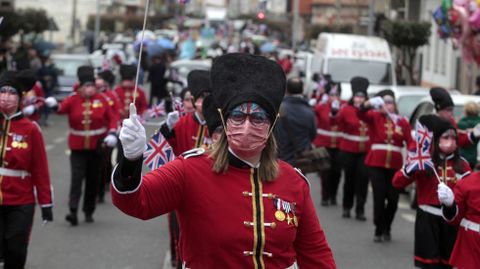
24	145
289	219
295	221
279	215
14	144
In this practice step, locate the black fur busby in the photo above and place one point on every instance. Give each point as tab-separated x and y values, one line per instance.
12	79
85	75
386	92
333	88
128	71
211	114
239	78
436	125
28	78
359	85
198	83
108	76
441	98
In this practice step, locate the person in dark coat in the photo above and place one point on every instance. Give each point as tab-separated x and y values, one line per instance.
296	127
156	76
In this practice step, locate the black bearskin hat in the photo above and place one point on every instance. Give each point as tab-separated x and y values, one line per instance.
359	85
211	114
441	98
198	83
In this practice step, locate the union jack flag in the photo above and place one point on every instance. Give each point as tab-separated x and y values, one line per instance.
157	111
158	152
179	107
420	159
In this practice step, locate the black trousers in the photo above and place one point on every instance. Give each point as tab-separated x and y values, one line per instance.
174	229
15	227
356	181
331	178
434	240
105	170
85	166
385	199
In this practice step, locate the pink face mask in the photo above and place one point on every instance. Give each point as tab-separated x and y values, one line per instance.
448	142
247	131
8	103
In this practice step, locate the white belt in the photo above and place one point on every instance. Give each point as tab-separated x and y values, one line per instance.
470	225
329	133
431	209
387	147
88	132
13	173
355	138
293	266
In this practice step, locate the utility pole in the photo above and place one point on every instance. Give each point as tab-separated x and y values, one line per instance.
295	25
371	17
97	26
74	21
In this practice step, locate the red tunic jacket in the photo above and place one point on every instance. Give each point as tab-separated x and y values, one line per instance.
34	97
24	164
328	133
227	220
427	185
114	103
355	131
125	97
89	119
387	138
466	252
189	134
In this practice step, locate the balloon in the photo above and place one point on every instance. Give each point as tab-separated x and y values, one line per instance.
462	3
475	19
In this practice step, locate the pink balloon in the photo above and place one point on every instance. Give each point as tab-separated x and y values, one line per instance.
475	19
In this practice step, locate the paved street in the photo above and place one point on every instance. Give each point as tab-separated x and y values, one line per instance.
118	241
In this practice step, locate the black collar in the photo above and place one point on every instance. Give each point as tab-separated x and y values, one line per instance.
237	162
18	115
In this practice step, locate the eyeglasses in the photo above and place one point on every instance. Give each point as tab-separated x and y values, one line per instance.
8	89
256	118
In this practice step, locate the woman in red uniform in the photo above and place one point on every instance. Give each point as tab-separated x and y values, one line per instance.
434	238
329	136
463	208
238	206
24	169
354	145
92	126
392	133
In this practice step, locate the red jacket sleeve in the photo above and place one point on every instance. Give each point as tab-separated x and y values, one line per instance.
311	244
159	192
407	130
461	202
400	180
65	106
39	169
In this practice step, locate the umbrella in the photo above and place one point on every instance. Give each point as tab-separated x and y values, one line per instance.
268	47
165	43
149	35
43	45
154	49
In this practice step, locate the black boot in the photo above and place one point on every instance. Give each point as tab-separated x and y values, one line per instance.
387	236
72	217
361	217
346	213
89	218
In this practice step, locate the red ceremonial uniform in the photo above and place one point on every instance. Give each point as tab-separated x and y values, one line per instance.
125	97
228	220
189	134
114	103
89	120
466	252
355	131
34	97
387	139
328	131
24	165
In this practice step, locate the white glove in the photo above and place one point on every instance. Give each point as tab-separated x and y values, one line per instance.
51	102
28	110
445	194
335	105
312	102
172	119
110	140
476	131
376	102
132	136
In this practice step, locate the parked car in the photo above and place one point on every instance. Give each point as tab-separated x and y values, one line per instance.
67	65
179	71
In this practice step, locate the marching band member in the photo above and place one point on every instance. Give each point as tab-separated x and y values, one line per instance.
125	91
392	133
92	126
34	99
238	205
354	145
23	172
434	238
463	208
189	131
329	136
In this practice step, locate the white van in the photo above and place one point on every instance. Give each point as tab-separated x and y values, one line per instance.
345	56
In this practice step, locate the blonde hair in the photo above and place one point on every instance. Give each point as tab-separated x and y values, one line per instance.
471	109
268	169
